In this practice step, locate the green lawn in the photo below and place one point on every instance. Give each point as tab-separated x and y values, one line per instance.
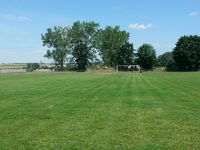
100	111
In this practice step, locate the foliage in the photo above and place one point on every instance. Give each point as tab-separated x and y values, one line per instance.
101	69
187	53
125	54
110	41
32	66
165	59
44	67
83	38
87	45
57	41
146	56
171	66
81	54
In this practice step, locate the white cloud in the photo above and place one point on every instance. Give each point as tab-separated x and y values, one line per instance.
138	26
14	17
194	13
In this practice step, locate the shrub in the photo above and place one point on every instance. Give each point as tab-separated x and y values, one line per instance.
32	66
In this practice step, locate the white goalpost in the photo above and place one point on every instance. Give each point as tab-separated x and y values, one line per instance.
128	68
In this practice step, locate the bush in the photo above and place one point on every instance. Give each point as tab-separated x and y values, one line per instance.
32	66
100	69
29	70
44	67
171	66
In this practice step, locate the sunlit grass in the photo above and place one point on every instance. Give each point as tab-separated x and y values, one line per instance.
100	111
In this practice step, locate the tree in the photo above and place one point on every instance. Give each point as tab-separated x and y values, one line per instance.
57	41
165	59
83	38
111	40
146	56
81	54
125	54
187	53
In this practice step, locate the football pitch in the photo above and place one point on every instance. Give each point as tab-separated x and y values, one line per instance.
100	111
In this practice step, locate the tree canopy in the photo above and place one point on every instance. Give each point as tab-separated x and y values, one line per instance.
83	38
146	56
125	55
110	41
86	43
165	59
187	53
57	41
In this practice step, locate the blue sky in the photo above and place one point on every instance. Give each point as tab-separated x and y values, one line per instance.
158	22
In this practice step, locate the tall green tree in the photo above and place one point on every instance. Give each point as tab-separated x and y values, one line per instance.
187	53
125	54
81	53
146	56
111	40
165	59
57	41
83	38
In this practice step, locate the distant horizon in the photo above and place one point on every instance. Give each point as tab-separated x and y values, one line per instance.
159	23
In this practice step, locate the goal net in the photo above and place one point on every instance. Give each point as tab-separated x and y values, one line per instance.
127	68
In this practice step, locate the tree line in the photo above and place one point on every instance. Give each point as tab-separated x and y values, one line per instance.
87	44
184	57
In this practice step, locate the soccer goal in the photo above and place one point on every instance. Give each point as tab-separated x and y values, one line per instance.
127	68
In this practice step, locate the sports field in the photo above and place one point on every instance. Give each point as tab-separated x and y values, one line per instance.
100	111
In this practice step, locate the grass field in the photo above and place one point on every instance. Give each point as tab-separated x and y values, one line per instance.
100	111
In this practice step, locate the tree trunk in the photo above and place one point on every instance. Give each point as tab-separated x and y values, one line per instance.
62	65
